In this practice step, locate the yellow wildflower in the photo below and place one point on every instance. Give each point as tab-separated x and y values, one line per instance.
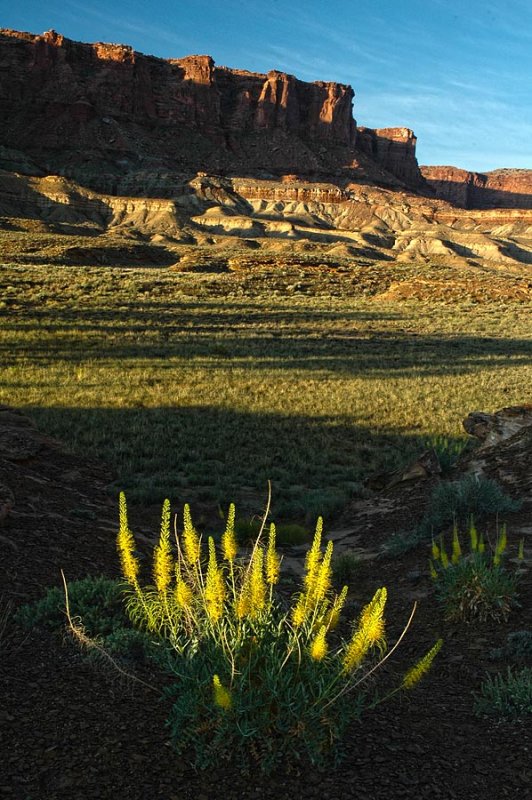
473	536
457	550
257	586
432	570
126	546
183	592
229	543
214	586
416	672
221	695
435	551
322	579
333	617
318	647
243	607
191	542
162	557
481	545
273	562
500	547
299	611
370	631
312	561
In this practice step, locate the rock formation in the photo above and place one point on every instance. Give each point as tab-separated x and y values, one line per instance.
502	188
93	110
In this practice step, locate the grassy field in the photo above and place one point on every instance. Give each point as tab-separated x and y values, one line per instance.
203	395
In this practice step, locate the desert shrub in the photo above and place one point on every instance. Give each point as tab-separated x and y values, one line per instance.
344	567
448	450
98	601
476	585
455	502
518	647
288	534
256	679
506	696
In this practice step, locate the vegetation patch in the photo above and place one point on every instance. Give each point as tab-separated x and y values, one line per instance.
476	585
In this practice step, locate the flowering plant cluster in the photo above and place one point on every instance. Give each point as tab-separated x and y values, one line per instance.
257	677
475	585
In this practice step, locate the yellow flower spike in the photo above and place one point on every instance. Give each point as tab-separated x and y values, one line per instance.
432	570
299	611
333	617
521	550
318	647
355	652
162	556
415	673
481	545
273	562
242	606
257	586
457	550
443	556
312	560
502	542
191	541
322	580
372	618
473	536
370	631
183	594
220	695
435	550
126	546
214	586
229	543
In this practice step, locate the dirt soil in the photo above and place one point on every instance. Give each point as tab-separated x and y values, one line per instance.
69	729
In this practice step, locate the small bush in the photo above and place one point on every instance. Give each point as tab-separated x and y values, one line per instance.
455	502
518	647
97	601
254	680
288	534
447	450
344	567
475	586
506	696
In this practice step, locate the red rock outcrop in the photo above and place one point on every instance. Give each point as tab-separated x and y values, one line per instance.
502	188
93	110
394	149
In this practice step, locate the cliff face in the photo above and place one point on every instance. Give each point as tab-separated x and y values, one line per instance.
504	188
89	110
394	149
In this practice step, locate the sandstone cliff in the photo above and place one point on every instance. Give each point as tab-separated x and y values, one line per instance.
96	112
502	188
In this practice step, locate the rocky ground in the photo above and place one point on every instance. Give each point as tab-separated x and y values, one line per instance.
70	729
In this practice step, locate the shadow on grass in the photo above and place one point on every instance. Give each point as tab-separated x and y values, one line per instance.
251	338
213	456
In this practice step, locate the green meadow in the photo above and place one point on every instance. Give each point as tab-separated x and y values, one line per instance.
188	390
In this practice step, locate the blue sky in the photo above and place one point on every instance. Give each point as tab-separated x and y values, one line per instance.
458	72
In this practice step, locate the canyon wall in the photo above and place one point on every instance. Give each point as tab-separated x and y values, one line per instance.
94	111
503	188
